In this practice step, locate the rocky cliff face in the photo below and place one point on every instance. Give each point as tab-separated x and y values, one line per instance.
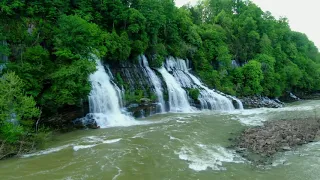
139	93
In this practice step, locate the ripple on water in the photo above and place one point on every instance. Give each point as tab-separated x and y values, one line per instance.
118	174
76	146
101	141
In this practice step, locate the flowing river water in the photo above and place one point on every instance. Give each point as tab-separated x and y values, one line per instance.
168	147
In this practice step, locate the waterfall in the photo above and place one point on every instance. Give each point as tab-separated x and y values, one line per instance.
120	92
209	99
238	101
3	57
294	96
178	99
234	64
105	100
2	66
240	105
156	82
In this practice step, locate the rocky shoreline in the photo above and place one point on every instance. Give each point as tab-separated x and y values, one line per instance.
259	102
8	150
259	144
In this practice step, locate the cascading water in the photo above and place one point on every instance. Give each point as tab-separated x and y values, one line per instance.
155	81
120	92
178	99
240	105
1	67
104	101
3	57
209	99
234	64
238	101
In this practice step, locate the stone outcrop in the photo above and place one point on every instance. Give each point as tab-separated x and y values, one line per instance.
89	121
259	102
289	97
143	109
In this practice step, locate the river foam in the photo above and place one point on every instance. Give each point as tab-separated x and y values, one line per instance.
101	141
202	157
85	143
47	151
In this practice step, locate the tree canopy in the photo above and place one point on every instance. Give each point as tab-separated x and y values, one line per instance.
50	44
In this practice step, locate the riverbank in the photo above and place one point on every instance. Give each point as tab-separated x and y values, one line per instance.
259	144
8	150
26	144
253	102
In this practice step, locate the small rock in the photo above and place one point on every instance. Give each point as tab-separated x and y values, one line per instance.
286	148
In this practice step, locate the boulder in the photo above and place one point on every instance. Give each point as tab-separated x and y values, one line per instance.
143	109
89	121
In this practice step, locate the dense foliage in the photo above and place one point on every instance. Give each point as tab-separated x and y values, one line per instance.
16	109
50	45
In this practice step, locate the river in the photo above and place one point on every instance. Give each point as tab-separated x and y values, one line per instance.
168	147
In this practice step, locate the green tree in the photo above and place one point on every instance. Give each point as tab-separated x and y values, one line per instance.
270	82
137	32
69	84
51	45
253	76
291	75
10	7
33	70
76	38
118	46
16	109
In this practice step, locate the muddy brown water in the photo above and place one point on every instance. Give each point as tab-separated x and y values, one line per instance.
169	147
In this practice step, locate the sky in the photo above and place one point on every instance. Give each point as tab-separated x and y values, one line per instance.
303	15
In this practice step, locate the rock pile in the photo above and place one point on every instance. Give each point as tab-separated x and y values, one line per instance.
259	102
275	136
